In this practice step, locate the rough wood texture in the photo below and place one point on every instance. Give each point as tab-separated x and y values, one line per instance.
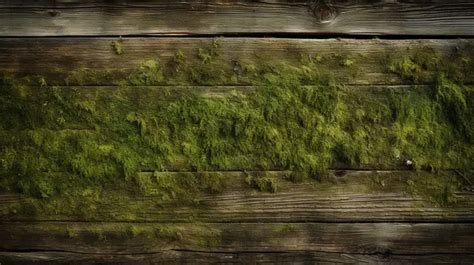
350	217
95	243
367	17
193	257
55	58
351	238
352	196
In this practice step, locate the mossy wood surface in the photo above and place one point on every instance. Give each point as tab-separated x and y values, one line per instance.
345	196
236	149
166	17
93	61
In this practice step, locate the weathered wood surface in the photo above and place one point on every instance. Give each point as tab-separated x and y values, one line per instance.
196	257
68	18
217	91
55	58
353	238
350	217
352	196
98	243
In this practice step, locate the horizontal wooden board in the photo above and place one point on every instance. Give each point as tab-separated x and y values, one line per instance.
57	58
197	257
346	196
367	17
135	238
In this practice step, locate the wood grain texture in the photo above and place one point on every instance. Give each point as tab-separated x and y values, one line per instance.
193	257
350	217
347	196
367	17
55	58
351	238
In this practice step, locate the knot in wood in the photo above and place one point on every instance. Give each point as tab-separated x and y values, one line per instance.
322	10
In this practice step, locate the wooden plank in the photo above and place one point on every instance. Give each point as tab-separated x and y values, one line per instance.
346	196
56	59
193	257
67	18
136	238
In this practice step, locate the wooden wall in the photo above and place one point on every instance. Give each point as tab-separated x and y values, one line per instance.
345	221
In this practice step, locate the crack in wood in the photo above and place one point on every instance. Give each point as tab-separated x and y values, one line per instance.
386	253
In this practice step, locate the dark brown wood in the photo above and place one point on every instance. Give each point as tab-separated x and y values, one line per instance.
352	216
193	257
137	238
347	196
56	58
367	17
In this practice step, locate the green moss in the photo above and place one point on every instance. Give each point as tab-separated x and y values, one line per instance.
211	70
451	99
424	64
263	183
286	229
83	76
206	236
388	181
438	189
99	233
182	188
71	232
418	65
133	231
214	182
117	47
172	233
206	55
178	62
427	123
297	118
347	62
296	176
149	73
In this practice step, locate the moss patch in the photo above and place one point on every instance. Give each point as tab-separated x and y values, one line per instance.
286	229
117	46
76	142
189	235
438	189
264	182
